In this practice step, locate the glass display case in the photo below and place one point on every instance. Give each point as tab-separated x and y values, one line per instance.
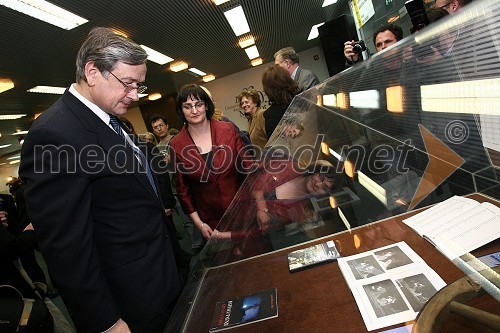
413	126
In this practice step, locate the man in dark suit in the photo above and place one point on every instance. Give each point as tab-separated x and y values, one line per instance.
94	201
289	60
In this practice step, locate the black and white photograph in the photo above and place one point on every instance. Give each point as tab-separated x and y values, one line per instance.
385	298
365	267
417	289
392	257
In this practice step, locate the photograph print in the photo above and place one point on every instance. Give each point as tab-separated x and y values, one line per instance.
417	290
365	267
392	257
385	298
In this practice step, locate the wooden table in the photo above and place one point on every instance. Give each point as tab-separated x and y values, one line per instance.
318	299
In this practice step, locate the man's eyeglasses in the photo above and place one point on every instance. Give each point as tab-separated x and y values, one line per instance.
159	126
128	88
188	107
446	5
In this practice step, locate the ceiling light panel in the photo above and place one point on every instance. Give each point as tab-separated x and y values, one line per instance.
47	12
11	116
197	71
208	78
47	89
314	31
252	52
329	2
246	42
6	84
155	56
256	62
177	67
237	20
219	2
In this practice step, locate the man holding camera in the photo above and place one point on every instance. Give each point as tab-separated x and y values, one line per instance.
384	37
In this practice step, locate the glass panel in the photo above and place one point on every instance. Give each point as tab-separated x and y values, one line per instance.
401	131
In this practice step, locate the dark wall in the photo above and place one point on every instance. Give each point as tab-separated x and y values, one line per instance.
333	34
164	106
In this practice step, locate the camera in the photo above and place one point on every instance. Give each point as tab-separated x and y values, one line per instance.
417	13
358	47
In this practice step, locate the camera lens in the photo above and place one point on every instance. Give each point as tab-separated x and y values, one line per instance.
357	49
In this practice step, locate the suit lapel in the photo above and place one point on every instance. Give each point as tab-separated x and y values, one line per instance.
110	141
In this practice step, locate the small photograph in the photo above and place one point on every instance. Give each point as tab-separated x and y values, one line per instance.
392	257
365	267
417	289
385	298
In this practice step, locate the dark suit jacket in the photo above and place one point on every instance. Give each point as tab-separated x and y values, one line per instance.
305	79
99	224
198	189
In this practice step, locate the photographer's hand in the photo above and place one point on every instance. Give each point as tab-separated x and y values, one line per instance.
3	219
348	52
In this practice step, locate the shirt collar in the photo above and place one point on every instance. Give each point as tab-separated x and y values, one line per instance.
104	116
294	73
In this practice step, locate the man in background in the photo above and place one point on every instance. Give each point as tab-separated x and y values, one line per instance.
160	129
93	198
289	60
383	37
451	6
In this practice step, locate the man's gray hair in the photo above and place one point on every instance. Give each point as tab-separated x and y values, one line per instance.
106	48
288	53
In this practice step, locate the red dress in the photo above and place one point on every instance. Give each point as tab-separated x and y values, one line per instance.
207	189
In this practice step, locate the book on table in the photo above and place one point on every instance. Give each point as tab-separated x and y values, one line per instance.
390	284
312	255
246	309
457	225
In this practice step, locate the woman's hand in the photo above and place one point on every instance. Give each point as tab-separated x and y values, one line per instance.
206	231
263	220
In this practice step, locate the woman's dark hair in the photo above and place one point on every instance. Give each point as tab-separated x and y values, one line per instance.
325	168
197	93
279	87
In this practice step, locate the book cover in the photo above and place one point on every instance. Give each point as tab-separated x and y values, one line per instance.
313	255
244	310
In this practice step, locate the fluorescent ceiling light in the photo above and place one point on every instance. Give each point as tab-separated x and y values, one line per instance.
5	146
14	157
142	95
14	162
330	100
11	116
155	56
6	84
45	11
364	99
335	154
329	2
237	20
208	78
342	100
394	98
475	96
244	43
197	71
47	89
252	52
374	188
314	31
256	62
20	133
154	97
179	66
219	2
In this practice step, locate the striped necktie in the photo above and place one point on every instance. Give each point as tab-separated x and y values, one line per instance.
115	123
